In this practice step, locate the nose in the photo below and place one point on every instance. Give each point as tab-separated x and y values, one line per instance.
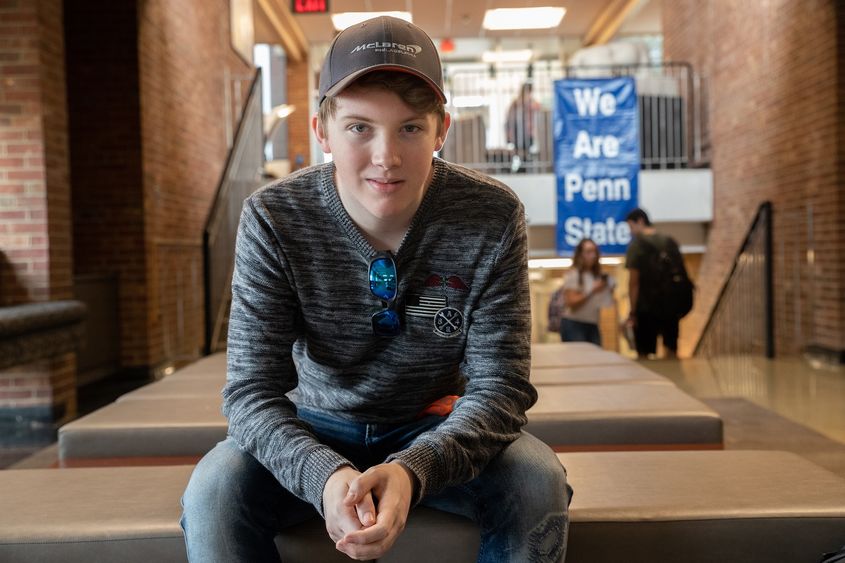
386	152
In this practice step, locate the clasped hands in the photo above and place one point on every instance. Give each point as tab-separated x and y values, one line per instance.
366	512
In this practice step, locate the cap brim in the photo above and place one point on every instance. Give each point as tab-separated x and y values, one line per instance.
347	80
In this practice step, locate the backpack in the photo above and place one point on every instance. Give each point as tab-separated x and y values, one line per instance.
665	284
556	306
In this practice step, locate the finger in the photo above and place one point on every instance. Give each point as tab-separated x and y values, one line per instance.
359	487
366	510
362	552
373	534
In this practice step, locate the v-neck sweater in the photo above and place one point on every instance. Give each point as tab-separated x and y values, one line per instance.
300	331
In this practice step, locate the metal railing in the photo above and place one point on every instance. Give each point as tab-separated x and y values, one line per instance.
241	176
742	321
497	130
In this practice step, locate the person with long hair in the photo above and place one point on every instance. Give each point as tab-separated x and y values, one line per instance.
585	291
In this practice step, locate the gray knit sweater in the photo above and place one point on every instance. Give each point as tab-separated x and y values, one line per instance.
301	313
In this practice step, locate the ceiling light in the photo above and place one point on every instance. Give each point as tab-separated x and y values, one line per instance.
520	56
559	263
523	18
346	19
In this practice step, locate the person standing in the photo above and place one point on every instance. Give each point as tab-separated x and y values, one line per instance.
585	291
655	264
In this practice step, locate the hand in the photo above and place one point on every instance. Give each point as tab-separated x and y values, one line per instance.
392	484
341	517
599	285
631	321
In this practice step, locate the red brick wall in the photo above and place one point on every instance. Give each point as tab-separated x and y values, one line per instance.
35	225
105	135
770	72
299	122
185	61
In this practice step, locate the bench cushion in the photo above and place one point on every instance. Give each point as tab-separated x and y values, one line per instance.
161	427
654	507
172	387
700	507
564	354
213	365
574	417
131	515
568	417
580	375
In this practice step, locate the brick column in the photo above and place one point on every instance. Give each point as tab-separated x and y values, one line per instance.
35	230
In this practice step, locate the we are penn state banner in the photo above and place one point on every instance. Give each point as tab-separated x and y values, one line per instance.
597	161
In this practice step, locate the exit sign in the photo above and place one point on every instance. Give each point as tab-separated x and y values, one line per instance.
310	6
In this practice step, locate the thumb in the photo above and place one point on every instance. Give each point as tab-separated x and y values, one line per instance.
366	510
358	489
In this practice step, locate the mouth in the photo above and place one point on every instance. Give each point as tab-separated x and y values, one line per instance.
384	184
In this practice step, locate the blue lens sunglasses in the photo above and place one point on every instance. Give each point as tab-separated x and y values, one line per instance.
384	280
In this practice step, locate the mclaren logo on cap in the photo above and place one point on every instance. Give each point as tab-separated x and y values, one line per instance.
384	45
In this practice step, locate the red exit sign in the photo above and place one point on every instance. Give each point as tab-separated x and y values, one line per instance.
310	6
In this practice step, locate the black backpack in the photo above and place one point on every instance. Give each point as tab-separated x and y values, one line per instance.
664	283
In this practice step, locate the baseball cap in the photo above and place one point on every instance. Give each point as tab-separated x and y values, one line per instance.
382	43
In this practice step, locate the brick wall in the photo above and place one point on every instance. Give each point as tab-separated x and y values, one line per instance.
299	123
774	94
186	62
105	137
35	224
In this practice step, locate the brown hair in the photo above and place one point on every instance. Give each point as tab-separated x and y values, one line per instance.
578	261
412	90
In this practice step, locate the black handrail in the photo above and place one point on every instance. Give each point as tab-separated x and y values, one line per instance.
762	220
240	176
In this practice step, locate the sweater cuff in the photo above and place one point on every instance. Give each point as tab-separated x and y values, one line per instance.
319	465
424	461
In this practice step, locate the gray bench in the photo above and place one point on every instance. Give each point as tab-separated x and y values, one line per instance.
571	417
566	354
637	507
581	375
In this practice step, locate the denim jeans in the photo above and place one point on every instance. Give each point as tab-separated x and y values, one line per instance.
577	331
233	507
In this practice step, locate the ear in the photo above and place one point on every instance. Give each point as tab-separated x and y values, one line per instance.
320	133
444	130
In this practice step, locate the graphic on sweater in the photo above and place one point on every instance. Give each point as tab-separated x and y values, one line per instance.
424	304
443	281
448	322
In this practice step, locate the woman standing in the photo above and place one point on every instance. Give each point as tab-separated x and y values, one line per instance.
585	291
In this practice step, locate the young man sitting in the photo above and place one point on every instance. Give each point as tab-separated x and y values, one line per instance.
379	338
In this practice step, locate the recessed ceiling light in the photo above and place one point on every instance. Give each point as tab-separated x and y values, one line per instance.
519	56
346	19
523	18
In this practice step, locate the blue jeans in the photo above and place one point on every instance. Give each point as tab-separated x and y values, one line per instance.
233	507
577	331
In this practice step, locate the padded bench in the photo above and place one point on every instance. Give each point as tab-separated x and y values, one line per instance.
622	417
581	375
213	365
640	507
568	417
210	385
567	354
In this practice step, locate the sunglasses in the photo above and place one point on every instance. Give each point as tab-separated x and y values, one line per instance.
384	280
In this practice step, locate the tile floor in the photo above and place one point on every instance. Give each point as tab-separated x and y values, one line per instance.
804	391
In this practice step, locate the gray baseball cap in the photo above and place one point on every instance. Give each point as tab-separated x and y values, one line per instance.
382	43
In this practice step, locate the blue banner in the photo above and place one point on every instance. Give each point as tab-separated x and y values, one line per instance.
597	161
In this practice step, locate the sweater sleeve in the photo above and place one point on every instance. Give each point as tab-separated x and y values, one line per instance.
262	331
496	365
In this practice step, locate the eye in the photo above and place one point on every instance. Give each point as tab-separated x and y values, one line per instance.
358	128
411	128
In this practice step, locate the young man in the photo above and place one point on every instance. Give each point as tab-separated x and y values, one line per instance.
378	351
647	316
